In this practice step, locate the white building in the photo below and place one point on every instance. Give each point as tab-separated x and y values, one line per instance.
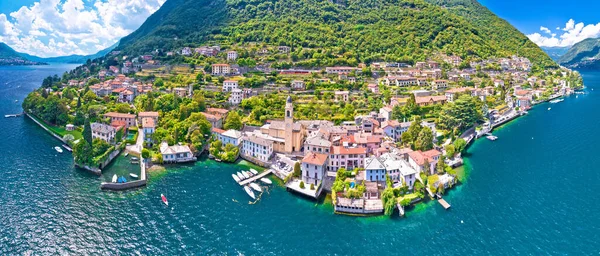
104	132
221	69
229	85
229	137
186	51
176	154
298	85
374	169
346	157
317	144
394	129
398	169
149	128
232	55
313	168
236	97
256	147
418	159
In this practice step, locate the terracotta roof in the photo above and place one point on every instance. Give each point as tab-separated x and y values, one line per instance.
435	99
148	122
392	123
419	157
315	158
211	116
115	114
119	90
148	114
459	90
217	110
340	150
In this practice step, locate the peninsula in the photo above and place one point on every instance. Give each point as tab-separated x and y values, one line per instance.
378	123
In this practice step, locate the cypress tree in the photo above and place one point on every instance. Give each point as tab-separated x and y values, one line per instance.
87	131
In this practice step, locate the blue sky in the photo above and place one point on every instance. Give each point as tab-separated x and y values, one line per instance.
63	27
550	22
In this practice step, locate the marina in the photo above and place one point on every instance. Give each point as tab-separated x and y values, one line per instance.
256	177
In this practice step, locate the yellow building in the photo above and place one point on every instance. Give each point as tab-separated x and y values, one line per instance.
287	136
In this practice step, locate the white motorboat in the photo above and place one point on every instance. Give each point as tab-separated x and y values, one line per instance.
58	149
239	174
126	154
492	137
249	191
556	101
266	181
235	177
255	187
245	174
114	178
253	171
549	108
164	199
133	175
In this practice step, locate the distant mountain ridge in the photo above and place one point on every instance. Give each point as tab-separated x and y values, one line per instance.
583	55
8	53
555	52
363	30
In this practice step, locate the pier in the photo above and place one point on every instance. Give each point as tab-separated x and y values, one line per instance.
256	177
444	204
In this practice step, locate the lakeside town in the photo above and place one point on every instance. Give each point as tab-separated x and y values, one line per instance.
376	138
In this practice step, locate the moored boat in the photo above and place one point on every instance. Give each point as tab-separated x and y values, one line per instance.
253	171
114	178
255	187
239	174
164	199
235	177
133	175
245	175
58	149
249	192
266	181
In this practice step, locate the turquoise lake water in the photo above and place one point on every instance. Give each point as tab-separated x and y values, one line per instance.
533	191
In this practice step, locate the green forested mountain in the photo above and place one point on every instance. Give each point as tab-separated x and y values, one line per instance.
344	31
8	52
585	54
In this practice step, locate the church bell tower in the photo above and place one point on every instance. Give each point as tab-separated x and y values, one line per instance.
289	125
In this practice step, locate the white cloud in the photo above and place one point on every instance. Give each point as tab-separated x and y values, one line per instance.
63	27
545	29
572	33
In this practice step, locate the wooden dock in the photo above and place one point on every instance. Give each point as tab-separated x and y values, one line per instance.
443	202
256	177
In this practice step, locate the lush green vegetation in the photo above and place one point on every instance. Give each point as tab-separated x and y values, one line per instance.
227	153
581	53
324	33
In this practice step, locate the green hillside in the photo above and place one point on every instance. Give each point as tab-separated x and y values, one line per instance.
345	31
583	54
7	52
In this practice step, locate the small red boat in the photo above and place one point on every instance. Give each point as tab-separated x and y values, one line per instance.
164	199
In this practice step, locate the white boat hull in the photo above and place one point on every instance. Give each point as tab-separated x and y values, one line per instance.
235	177
266	181
255	187
249	192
